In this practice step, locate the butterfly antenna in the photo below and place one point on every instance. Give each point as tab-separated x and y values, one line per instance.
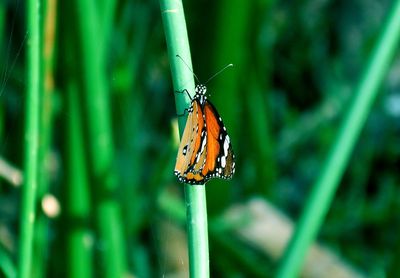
198	81
221	70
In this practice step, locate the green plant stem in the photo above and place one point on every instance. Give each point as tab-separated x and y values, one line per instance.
231	37
196	219
31	138
78	204
47	88
220	235
324	189
178	44
78	196
100	143
41	247
195	198
107	12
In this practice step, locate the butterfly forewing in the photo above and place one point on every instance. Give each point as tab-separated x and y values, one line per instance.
198	129
190	142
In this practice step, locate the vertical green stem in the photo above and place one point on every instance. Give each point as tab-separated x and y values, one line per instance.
177	43
197	228
101	146
106	20
78	205
231	37
47	88
325	187
78	197
46	128
31	138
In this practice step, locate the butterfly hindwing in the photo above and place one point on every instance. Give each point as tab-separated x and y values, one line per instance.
220	158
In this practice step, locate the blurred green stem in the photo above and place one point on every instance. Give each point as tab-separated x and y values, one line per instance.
31	138
335	165
231	38
77	201
78	204
100	143
48	28
107	12
177	43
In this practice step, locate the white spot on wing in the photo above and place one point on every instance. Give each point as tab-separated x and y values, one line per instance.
226	145
203	145
223	161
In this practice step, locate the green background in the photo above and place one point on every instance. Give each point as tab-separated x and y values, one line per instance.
108	133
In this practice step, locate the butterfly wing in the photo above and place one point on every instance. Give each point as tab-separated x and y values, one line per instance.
205	151
219	159
191	145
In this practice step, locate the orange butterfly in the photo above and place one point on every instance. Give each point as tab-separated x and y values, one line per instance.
205	150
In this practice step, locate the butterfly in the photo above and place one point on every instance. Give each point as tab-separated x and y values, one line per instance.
205	150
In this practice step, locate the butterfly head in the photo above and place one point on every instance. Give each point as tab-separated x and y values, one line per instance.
201	89
200	92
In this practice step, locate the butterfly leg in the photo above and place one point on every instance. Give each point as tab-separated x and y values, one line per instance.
186	110
184	91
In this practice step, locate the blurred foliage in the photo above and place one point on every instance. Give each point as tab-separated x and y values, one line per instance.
295	65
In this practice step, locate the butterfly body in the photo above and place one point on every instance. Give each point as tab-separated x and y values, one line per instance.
205	151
